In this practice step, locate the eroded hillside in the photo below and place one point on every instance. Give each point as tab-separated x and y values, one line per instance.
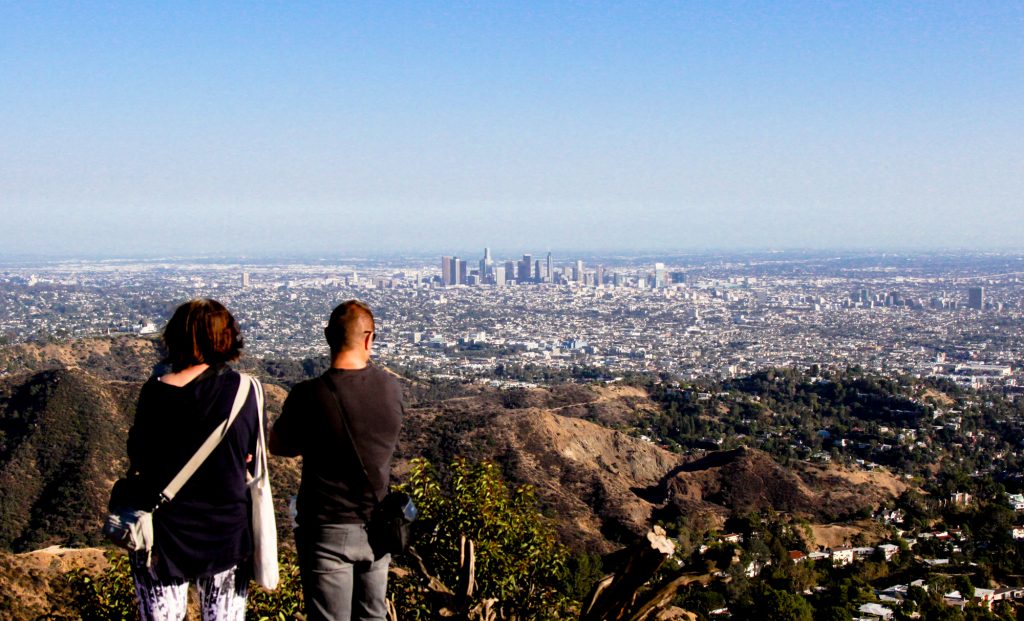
63	437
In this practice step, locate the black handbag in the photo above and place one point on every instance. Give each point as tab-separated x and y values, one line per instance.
390	523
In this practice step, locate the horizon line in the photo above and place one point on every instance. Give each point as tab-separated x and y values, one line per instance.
564	253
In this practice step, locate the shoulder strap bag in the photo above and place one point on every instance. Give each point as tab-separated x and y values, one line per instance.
264	524
132	527
389	526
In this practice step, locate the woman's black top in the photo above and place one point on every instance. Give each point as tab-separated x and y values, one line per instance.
206	528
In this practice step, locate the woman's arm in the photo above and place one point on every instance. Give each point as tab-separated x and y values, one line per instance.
140	435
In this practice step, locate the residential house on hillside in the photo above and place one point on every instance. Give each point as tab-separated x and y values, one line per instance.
889	550
843	555
876	611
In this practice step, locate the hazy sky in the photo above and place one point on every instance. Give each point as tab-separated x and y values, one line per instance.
341	127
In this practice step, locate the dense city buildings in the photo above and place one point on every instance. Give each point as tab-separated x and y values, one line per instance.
959	317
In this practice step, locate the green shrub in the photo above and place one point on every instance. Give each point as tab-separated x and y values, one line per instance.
108	596
281	603
111	594
518	559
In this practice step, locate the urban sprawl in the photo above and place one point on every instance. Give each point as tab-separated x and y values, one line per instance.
696	316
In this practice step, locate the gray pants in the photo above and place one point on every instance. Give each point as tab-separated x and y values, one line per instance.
341	579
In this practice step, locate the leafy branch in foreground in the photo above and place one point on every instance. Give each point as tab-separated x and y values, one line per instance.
518	560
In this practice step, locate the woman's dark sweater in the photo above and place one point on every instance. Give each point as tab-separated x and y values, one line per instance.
206	528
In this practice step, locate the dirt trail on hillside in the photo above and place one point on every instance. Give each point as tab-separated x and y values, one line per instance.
605	395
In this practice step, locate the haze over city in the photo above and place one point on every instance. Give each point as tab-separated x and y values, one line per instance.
334	129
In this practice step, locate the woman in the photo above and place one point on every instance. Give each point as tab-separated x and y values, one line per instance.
204	533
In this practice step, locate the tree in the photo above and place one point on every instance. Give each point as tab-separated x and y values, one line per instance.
768	604
518	560
783	606
964	585
833	613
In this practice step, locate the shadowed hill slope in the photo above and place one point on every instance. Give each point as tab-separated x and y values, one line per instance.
63	435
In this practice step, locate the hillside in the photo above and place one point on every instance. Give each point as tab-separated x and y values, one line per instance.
62	435
64	418
125	358
62	445
747	480
607	486
29	588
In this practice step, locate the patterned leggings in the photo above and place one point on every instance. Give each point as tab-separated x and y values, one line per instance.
220	598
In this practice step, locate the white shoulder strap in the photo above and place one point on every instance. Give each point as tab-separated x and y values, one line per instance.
211	442
261	446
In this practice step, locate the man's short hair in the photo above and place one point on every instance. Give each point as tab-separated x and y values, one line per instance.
201	331
349	323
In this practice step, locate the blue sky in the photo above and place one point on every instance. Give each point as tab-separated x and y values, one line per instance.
336	128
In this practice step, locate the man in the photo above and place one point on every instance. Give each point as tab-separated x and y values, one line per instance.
356	402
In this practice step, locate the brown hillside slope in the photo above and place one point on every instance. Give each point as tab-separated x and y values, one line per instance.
605	486
744	480
31	584
588	475
127	358
740	480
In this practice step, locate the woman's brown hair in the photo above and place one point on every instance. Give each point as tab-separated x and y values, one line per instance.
201	331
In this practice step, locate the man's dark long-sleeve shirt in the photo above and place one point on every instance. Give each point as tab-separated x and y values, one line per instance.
334	489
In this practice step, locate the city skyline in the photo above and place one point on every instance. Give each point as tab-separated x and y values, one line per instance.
322	128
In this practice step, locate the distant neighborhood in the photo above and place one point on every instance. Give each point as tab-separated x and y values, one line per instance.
711	317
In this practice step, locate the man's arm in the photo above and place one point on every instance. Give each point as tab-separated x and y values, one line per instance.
284	436
277	447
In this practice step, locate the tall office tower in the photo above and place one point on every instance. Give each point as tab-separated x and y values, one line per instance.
499	275
577	272
599	276
659	275
456	266
462	272
537	277
510	271
976	298
486	265
525	265
549	276
455	262
245	280
446	270
618	279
